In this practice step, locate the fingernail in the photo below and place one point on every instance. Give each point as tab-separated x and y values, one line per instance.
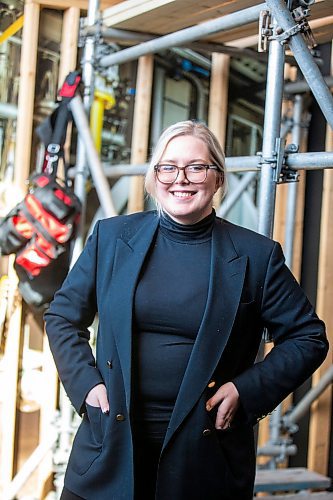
105	410
208	407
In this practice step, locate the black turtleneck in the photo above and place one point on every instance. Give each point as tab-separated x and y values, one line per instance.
169	305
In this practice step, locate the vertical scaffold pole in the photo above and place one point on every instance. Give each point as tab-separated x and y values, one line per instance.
304	58
272	126
81	164
293	187
271	134
66	411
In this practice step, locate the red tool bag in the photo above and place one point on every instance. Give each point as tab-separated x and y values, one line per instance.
39	228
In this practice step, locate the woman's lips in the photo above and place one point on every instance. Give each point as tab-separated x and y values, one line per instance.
183	194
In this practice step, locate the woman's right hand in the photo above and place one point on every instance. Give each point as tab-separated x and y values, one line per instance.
97	397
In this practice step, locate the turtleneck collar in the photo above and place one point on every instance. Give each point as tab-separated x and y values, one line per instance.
187	233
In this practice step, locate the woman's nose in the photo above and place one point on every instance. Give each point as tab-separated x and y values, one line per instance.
181	178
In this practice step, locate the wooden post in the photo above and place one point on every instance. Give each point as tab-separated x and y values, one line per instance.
26	95
218	102
279	235
68	57
321	415
69	41
68	60
140	136
14	341
218	96
11	376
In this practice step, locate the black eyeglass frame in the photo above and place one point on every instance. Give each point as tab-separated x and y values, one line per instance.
207	167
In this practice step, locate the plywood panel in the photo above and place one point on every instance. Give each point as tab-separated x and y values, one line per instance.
140	134
167	16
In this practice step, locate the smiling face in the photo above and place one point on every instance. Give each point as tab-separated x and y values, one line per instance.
184	201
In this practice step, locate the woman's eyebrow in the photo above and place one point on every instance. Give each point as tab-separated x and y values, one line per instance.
166	160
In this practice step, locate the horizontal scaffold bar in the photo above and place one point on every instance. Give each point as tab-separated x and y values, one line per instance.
296	161
191	34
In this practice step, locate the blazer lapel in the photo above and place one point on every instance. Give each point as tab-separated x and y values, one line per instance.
129	258
225	287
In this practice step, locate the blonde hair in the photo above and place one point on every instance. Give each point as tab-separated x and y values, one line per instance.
195	129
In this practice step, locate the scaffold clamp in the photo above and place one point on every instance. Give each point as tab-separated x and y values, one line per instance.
300	15
282	173
287	174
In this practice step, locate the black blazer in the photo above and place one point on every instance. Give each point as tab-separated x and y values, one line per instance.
250	288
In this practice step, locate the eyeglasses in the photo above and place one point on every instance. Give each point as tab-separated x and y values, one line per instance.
194	173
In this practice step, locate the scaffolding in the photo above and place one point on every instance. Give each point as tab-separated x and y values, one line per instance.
276	163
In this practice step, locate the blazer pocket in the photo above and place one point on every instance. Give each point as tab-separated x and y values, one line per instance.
87	445
94	415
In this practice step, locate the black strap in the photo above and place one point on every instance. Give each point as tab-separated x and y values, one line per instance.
60	119
39	227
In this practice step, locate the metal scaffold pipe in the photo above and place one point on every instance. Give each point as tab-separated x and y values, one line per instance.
227	22
88	77
295	161
96	169
302	86
269	167
231	200
305	403
310	161
272	125
292	188
304	58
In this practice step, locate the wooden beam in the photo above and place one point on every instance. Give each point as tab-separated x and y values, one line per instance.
218	102
321	415
140	134
68	58
279	235
26	96
66	4
218	96
49	400
130	9
12	364
69	42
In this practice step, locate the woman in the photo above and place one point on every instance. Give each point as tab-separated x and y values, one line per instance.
182	298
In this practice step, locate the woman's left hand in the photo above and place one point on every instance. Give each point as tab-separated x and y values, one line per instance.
228	397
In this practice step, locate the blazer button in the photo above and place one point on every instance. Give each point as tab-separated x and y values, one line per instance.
120	417
206	432
109	363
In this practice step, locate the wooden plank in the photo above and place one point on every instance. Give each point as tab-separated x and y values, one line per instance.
131	8
169	16
12	367
166	16
69	41
298	478
279	235
218	96
49	402
140	134
322	495
66	4
321	419
218	102
68	58
26	95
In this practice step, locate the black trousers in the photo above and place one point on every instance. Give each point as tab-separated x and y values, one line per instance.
146	456
147	451
68	495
